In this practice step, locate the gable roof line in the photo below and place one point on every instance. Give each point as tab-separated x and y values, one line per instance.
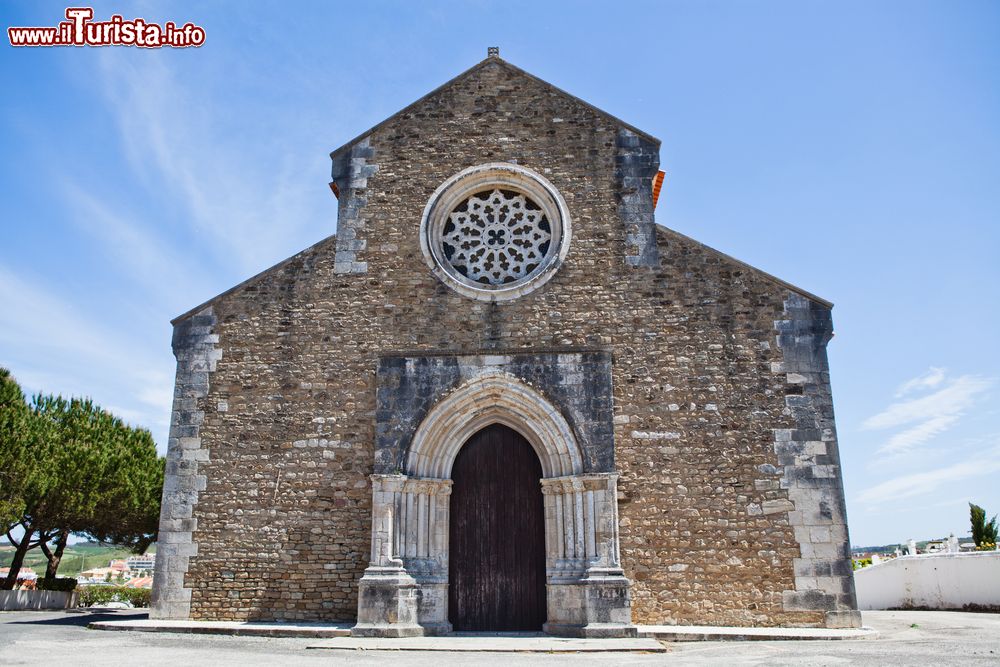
256	276
783	283
500	61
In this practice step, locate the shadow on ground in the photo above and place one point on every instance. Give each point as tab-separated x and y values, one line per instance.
83	617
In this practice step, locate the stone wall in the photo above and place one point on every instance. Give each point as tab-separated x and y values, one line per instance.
22	600
699	390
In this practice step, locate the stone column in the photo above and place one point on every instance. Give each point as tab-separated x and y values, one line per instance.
404	591
387	594
588	594
426	549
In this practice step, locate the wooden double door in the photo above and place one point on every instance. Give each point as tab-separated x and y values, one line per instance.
496	557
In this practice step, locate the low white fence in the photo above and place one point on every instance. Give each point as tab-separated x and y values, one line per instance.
35	600
932	581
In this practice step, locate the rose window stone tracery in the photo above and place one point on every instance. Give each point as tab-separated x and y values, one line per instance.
496	237
495	231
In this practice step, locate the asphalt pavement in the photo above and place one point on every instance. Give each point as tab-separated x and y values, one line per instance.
906	638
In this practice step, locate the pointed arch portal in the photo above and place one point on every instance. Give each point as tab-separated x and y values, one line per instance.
405	589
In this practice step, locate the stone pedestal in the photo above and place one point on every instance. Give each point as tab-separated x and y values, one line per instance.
388	600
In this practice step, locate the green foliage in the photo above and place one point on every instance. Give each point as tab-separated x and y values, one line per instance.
67	466
129	508
983	531
16	437
859	563
106	478
59	584
96	596
140	597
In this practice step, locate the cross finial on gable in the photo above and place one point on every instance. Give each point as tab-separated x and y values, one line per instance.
493	52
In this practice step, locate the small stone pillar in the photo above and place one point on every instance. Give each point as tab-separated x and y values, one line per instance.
911	547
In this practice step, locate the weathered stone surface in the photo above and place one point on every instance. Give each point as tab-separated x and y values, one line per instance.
578	384
636	164
197	352
702	381
809	454
351	170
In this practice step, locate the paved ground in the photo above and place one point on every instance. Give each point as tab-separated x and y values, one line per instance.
540	643
909	638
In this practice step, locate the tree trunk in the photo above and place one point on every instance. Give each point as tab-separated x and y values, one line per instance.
15	565
55	557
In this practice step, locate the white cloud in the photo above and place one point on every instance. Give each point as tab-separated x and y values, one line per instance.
158	393
249	204
929	415
960	502
135	417
146	257
932	378
202	175
32	316
52	347
952	399
907	440
906	486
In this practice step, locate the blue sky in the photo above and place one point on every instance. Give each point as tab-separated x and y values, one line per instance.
851	148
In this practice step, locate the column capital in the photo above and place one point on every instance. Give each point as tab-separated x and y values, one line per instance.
387	482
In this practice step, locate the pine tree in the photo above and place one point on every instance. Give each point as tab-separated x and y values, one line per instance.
27	478
14	425
80	470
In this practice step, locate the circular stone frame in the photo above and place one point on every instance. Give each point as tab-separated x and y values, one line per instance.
464	184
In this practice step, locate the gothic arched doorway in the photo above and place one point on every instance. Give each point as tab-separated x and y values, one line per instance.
497	535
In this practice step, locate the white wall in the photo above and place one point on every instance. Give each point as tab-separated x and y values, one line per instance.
936	581
21	600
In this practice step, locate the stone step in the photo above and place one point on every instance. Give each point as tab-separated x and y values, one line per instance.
236	628
494	643
691	633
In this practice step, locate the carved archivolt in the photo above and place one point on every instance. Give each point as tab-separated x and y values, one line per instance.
494	398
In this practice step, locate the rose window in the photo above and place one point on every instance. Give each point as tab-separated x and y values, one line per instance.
496	236
495	232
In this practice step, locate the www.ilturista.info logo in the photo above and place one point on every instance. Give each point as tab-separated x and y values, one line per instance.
80	30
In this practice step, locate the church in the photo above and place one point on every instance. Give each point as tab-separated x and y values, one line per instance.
503	398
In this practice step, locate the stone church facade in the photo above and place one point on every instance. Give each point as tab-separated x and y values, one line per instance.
497	277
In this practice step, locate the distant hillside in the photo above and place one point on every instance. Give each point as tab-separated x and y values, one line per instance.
76	558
